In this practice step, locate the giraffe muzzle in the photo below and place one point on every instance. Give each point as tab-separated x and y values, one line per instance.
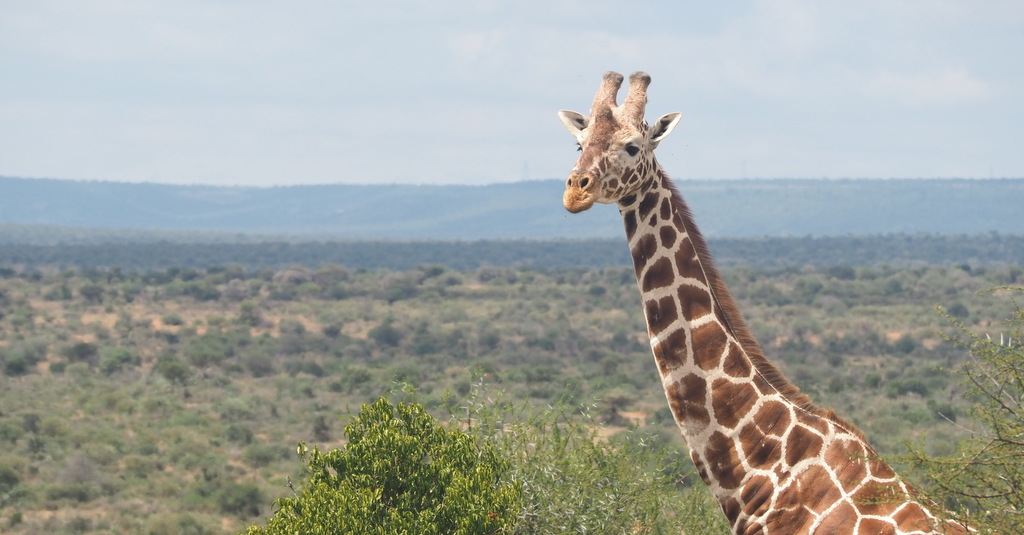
579	192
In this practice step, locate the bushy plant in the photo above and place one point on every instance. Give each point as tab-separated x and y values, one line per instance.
242	499
400	472
983	481
575	480
493	469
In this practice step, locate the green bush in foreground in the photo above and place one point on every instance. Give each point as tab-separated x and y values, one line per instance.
400	472
493	469
983	482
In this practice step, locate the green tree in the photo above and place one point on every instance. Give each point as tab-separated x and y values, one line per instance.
983	482
172	369
82	352
242	499
400	472
386	334
249	314
92	292
115	359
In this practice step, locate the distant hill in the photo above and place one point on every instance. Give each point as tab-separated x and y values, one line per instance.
893	250
530	210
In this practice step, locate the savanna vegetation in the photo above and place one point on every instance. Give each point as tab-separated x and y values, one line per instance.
31	247
172	400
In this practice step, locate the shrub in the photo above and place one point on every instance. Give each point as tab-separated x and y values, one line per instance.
386	334
575	481
249	314
173	319
209	350
92	292
10	431
115	359
242	499
238	434
77	492
985	476
8	478
321	430
82	352
176	524
15	365
259	364
400	472
258	455
172	369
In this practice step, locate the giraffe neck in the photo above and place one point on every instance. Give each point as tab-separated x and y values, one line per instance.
775	462
697	336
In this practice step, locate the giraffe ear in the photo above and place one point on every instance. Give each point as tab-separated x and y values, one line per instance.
574	122
663	127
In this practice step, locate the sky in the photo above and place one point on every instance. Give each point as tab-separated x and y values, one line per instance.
263	93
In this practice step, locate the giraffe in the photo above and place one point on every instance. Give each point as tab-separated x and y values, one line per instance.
776	463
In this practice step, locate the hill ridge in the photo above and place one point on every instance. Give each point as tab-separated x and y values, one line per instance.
517	210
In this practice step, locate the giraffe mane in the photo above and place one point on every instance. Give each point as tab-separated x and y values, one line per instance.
734	321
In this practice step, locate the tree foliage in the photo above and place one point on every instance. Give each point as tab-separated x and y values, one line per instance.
493	469
400	472
983	482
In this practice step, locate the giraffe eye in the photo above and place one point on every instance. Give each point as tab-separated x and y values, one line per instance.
632	149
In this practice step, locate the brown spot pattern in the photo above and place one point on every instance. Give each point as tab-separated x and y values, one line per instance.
849	461
685	265
756	495
736	363
723	463
708	345
816	489
772	418
702	470
879	468
647	205
762	451
813	421
877	526
763	386
661	313
666	209
788	520
670	352
658	275
801	443
839	521
688	400
876	499
911	517
668	236
731	401
629	221
645	249
695	302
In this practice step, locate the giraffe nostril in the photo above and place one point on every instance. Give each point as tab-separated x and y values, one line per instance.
584	182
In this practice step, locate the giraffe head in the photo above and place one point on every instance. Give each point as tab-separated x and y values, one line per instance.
616	142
